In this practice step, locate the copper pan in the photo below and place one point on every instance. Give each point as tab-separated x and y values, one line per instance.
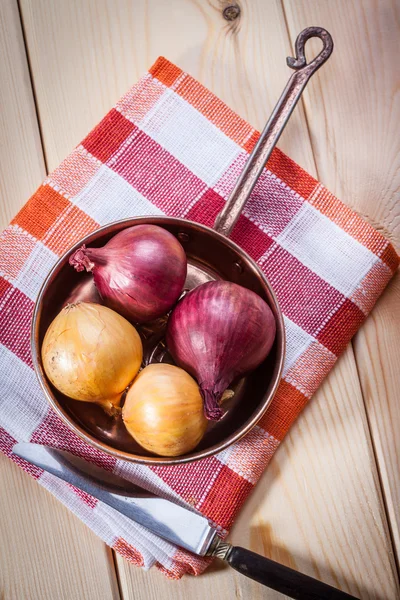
211	255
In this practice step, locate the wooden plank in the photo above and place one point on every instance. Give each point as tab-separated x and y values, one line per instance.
21	158
45	551
85	55
318	507
357	152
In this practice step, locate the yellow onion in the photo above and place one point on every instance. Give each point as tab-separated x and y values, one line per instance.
163	410
91	353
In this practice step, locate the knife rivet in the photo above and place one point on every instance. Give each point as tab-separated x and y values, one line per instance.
238	267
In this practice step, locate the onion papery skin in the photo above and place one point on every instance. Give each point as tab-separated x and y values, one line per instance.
163	410
140	272
218	332
91	353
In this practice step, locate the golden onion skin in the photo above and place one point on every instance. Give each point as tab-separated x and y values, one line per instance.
91	353
163	410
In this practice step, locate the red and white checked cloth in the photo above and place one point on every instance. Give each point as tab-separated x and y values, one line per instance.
171	147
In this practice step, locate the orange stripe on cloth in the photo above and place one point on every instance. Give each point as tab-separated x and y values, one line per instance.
214	110
390	257
286	169
354	225
41	211
175	572
185	563
233	126
54	220
186	567
202	100
71	226
291	173
287	404
251	141
165	71
128	552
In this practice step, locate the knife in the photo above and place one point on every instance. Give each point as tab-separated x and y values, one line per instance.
178	525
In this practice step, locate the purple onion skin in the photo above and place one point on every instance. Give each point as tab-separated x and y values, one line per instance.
139	273
84	291
219	331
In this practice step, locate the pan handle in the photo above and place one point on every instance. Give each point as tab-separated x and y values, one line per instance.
255	164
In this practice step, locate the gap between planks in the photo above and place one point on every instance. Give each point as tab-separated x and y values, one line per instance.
367	419
32	84
25	55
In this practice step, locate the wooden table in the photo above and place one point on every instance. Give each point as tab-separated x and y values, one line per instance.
329	504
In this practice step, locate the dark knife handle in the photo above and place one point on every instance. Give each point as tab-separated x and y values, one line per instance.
280	578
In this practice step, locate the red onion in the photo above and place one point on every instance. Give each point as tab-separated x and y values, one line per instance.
218	332
84	291
139	273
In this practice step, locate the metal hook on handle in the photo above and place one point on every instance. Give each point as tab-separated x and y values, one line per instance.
255	164
300	61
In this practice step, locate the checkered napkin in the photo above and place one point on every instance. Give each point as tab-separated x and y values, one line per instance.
171	147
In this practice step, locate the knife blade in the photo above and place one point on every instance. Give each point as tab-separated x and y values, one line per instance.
174	523
170	521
